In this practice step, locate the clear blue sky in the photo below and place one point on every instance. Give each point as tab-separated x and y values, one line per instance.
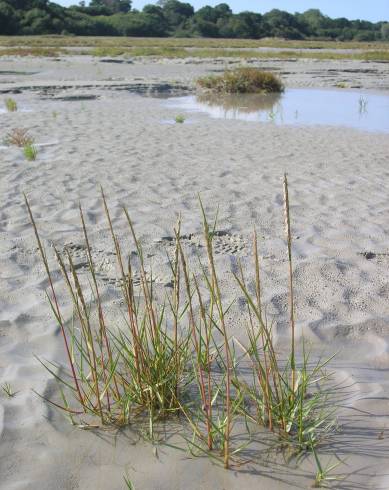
373	10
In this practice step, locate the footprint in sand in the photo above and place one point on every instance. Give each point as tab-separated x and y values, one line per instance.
224	243
229	244
103	261
117	282
77	253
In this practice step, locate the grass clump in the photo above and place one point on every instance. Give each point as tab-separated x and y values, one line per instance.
30	152
242	81
133	373
284	391
11	105
180	119
19	137
176	356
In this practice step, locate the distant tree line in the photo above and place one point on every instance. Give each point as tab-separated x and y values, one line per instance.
179	19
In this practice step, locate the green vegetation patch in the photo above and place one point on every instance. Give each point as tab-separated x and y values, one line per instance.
182	52
11	105
57	41
43	52
242	81
30	152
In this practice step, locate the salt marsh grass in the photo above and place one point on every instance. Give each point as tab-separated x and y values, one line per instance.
180	119
177	356
118	376
11	105
19	137
283	391
30	51
192	48
242	81
30	152
107	41
51	46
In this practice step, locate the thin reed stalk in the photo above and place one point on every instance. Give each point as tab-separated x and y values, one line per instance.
54	302
217	299
291	292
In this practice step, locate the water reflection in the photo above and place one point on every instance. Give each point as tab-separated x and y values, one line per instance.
234	106
362	105
366	111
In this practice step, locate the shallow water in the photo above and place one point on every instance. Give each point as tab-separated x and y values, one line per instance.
365	111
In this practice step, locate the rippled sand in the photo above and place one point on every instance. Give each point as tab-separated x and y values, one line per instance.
339	190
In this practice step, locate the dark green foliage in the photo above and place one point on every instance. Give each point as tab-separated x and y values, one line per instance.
385	31
179	19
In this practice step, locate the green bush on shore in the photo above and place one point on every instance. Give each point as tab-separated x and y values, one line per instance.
242	81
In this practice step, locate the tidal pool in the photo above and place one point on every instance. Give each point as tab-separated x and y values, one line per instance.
366	111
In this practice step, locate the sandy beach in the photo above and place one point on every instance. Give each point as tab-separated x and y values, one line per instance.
94	127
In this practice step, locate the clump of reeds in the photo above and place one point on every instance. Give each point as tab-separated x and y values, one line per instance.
123	374
178	357
11	105
212	420
284	392
242	81
30	152
19	137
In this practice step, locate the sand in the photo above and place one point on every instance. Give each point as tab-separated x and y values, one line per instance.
339	186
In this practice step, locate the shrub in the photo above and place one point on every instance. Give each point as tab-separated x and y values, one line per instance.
242	81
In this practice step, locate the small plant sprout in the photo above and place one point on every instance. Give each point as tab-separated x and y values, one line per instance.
11	105
30	152
55	114
323	478
7	389
129	484
180	119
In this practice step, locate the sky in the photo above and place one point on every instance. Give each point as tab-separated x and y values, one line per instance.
373	10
